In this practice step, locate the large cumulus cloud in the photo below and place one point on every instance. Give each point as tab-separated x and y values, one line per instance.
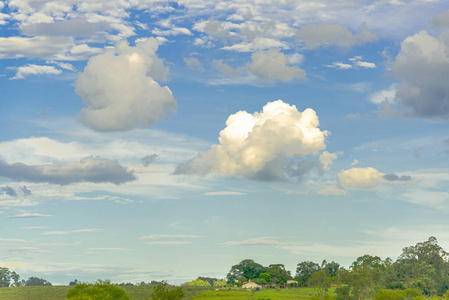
89	169
119	88
423	66
257	145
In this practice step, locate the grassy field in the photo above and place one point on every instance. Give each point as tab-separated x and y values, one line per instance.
144	292
60	292
272	294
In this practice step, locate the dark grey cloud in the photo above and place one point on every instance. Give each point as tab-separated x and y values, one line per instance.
394	177
441	20
89	169
147	160
25	191
423	66
73	27
300	169
8	191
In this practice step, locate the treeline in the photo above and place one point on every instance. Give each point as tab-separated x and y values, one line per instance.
422	269
11	278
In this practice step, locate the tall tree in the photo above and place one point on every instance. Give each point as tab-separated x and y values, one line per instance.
278	271
247	269
321	281
304	271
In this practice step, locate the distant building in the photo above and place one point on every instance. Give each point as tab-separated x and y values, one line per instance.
251	285
292	282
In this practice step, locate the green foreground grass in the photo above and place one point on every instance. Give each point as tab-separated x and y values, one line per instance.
144	292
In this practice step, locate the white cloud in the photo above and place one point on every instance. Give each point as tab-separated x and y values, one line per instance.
71	231
224	193
194	64
384	95
167	239
340	65
159	237
332	192
257	44
319	35
423	66
262	241
365	64
271	65
256	145
45	47
30	215
31	69
119	91
265	66
360	177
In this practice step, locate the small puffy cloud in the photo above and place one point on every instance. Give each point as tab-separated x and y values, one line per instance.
31	69
89	169
384	95
423	66
340	65
327	159
256	145
332	192
119	88
360	177
365	64
271	65
194	64
147	160
394	177
441	20
265	66
30	215
315	36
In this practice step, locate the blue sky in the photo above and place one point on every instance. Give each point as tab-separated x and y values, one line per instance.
150	140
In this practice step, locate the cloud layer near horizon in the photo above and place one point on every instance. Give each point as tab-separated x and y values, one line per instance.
256	145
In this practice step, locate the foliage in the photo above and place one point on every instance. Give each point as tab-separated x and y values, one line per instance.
321	281
197	282
278	272
304	271
162	292
219	283
6	276
342	292
35	281
246	270
100	290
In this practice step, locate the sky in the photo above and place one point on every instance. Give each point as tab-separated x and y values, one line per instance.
165	140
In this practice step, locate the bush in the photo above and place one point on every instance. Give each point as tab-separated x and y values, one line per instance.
100	290
161	292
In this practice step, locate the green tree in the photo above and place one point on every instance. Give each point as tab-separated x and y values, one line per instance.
304	271
265	278
321	281
6	276
278	271
35	281
197	282
219	283
162	292
246	270
100	290
343	292
390	295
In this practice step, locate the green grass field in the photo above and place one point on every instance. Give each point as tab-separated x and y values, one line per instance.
272	294
144	292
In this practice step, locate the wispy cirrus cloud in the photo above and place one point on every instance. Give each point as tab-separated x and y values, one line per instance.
261	241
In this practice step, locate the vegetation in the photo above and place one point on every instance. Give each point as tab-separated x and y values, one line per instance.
420	272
